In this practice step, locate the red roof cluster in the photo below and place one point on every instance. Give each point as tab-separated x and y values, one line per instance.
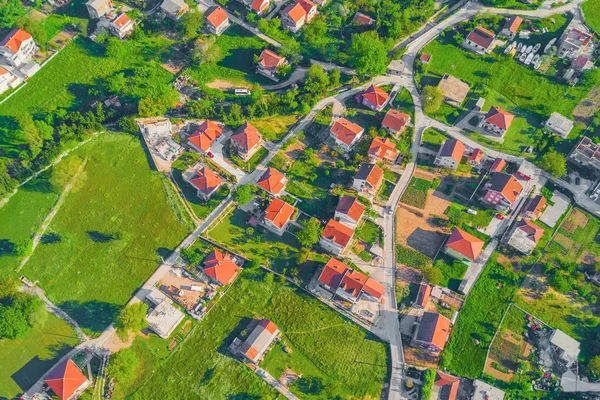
465	244
336	275
205	135
338	232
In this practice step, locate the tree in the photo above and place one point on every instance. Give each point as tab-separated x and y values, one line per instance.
317	80
560	283
433	275
254	264
9	287
310	235
335	76
157	100
310	385
191	22
242	194
128	124
433	97
123	365
65	171
554	163
207	52
131	318
191	256
269	278
30	131
428	381
368	54
594	366
16	313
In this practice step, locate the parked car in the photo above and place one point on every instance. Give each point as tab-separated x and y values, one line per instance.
242	92
500	216
210	154
472	212
390	210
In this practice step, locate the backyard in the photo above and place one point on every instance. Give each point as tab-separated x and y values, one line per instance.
591	11
274	128
416	192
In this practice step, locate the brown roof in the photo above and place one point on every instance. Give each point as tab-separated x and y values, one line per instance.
363	19
383	148
454	149
507	185
220	267
217	16
434	328
269	59
423	296
247	136
14	40
345	130
425	57
279	212
376	95
448	385
295	11
534	232
395	119
338	232
259	5
370	173
536	205
513	23
481	37
465	244
498	165
500	118
272	181
204	136
476	155
351	207
206	181
453	88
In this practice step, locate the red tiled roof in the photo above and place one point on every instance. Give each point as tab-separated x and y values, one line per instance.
481	37
534	232
217	16
345	130
395	119
425	57
247	136
269	59
220	267
351	207
205	135
3	71
337	274
259	5
500	118
465	244
65	379
370	173
268	325
513	23
333	273
338	232
363	19
14	40
423	296
536	205
307	5
440	330
272	181
383	148
449	385
279	212
454	149
476	155
498	165
507	185
206	181
121	21
251	353
295	11
376	95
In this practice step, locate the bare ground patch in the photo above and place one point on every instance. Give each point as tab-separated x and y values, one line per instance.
294	151
420	357
563	241
224	85
585	110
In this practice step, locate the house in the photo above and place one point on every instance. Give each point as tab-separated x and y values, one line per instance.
269	63
272	181
423	295
586	154
98	8
368	179
295	15
246	141
174	9
455	91
534	207
479	40
348	284
575	42
396	67
483	391
278	216
425	58
259	341
121	26
474	159
363	19
559	125
220	267
567	346
203	137
217	21
8	80
205	181
66	380
257	6
375	98
463	246
349	211
163	317
336	237
17	48
582	63
497	121
156	129
395	121
432	332
383	150
502	191
445	386
345	133
498	165
525	236
511	26
450	154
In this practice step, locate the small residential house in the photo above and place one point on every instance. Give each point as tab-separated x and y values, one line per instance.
497	121
98	8
259	341
336	237
383	150
559	125
375	98
174	9
203	137
163	317
475	158
525	236
272	181
586	154
257	6
535	206
278	216
423	296
348	284
246	141
395	121
349	211
498	165
396	67
363	19
425	58
575	42
445	386
432	332
463	246
8	80
217	21
17	48
479	40
450	154
455	91
220	268
121	26
295	15
582	63
368	179
568	347
205	181
484	391
346	134
502	191
66	380
511	26
269	63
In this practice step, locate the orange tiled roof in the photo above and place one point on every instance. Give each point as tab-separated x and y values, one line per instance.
247	136
534	232
346	131
205	135
536	205
269	59
513	23
383	148
395	119
295	12
15	39
259	5
465	244
272	181
217	16
370	173
507	185
333	273
454	149
434	329
423	296
476	155
65	379
268	325
498	165
351	207
481	36
220	267
449	385
376	95
279	212
336	274
500	118
206	181
121	21
338	232
307	5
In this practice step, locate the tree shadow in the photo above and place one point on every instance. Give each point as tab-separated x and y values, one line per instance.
7	248
164	252
50	238
245	324
99	237
33	370
93	315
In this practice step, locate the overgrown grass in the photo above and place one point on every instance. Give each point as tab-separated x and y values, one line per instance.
369	232
274	128
411	258
252	163
591	12
416	192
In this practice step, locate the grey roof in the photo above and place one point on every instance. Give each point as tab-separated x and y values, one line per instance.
568	345
260	339
560	124
499	180
483	391
173	6
364	171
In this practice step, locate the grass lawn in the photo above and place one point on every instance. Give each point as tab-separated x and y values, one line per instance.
274	128
200	207
591	12
25	360
416	192
119	225
386	190
252	163
432	138
453	271
404	102
369	232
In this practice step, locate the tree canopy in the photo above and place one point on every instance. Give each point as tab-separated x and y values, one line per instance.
131	319
310	235
368	54
242	194
123	365
433	97
554	162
